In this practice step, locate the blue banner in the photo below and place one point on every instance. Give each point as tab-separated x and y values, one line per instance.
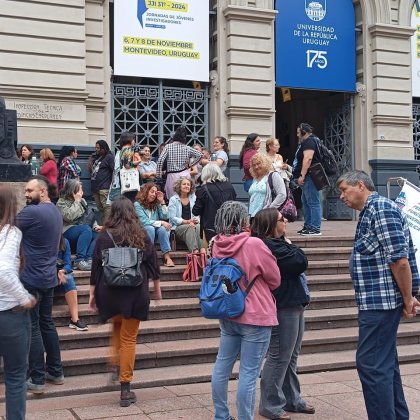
316	45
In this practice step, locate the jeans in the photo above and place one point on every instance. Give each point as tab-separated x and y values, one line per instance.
311	205
84	238
15	338
280	388
163	236
377	365
251	342
44	337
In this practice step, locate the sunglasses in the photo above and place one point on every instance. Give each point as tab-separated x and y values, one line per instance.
281	219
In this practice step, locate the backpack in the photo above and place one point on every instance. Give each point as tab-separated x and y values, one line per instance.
326	158
220	295
122	266
288	208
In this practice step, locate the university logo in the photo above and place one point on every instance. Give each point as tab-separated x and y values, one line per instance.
316	10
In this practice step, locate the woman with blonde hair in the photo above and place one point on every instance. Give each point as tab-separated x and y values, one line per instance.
272	147
15	332
49	169
261	195
126	306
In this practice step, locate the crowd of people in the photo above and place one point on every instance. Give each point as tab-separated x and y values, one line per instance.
185	193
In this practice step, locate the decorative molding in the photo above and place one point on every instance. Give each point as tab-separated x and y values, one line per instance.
96	103
34	93
234	112
96	1
249	14
361	90
391	31
392	121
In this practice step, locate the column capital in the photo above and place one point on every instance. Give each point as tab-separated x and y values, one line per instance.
249	13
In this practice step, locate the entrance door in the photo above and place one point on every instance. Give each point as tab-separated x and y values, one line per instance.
154	112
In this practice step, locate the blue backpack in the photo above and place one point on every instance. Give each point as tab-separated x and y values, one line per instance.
220	295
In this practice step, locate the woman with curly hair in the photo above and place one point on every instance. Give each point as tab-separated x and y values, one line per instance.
153	214
126	306
260	194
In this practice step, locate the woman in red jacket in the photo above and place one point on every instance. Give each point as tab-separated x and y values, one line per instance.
49	169
251	146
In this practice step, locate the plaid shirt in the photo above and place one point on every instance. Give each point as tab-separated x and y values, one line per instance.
69	169
179	157
382	238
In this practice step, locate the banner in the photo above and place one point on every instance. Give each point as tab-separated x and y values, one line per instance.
409	202
162	39
415	50
316	45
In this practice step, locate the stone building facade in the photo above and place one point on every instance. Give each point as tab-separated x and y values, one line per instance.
55	71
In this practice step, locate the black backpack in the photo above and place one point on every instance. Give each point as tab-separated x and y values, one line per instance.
326	158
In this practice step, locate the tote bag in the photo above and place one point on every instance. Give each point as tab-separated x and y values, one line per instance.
130	180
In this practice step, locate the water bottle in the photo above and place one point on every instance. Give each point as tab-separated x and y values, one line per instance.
34	165
213	157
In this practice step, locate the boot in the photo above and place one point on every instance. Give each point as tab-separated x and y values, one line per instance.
127	397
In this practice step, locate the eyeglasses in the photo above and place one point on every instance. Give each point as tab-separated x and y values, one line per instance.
281	219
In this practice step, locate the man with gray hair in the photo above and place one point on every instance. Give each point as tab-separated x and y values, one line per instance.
386	281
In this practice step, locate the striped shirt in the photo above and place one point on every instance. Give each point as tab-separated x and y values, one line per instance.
382	238
12	292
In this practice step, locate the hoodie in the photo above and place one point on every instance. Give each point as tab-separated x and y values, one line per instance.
257	261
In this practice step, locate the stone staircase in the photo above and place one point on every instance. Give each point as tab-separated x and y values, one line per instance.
178	346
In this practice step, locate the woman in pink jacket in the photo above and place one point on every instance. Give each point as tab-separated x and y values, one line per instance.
249	334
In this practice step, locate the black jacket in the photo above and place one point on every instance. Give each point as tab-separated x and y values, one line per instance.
209	198
291	261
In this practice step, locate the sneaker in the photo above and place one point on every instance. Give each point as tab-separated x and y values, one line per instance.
301	230
83	265
56	380
78	325
35	388
310	232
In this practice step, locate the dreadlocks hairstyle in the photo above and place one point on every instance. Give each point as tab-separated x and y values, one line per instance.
231	218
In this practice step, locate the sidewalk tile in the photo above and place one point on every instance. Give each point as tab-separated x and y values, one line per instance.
169	404
108	411
189	414
51	415
325	389
352	404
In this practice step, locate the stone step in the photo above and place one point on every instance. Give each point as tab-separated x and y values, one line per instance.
330	253
196	373
323	241
318	282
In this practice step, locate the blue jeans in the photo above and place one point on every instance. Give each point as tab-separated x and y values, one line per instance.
83	237
163	236
377	365
280	388
44	337
251	342
15	338
311	205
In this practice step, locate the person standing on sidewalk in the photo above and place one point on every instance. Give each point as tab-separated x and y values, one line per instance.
41	225
385	277
307	155
15	332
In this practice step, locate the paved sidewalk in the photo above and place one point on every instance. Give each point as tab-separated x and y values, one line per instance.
335	395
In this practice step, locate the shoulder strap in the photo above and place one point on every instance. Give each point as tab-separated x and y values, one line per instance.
112	238
270	184
208	193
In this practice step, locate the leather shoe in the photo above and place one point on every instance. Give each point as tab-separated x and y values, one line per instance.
308	409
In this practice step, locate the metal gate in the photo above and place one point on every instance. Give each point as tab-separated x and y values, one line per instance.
338	137
153	113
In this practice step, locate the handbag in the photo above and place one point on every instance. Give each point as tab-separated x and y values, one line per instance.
196	261
288	207
122	266
318	176
130	180
87	218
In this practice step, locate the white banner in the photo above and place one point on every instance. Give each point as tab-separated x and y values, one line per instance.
409	202
415	50
162	39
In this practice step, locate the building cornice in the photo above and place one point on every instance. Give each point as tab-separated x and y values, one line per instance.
391	31
392	121
249	14
235	112
34	93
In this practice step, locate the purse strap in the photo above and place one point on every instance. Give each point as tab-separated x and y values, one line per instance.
112	238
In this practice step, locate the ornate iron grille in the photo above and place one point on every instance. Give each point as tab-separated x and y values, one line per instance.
416	131
338	138
153	113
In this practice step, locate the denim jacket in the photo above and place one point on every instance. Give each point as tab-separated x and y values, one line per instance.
175	209
151	217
